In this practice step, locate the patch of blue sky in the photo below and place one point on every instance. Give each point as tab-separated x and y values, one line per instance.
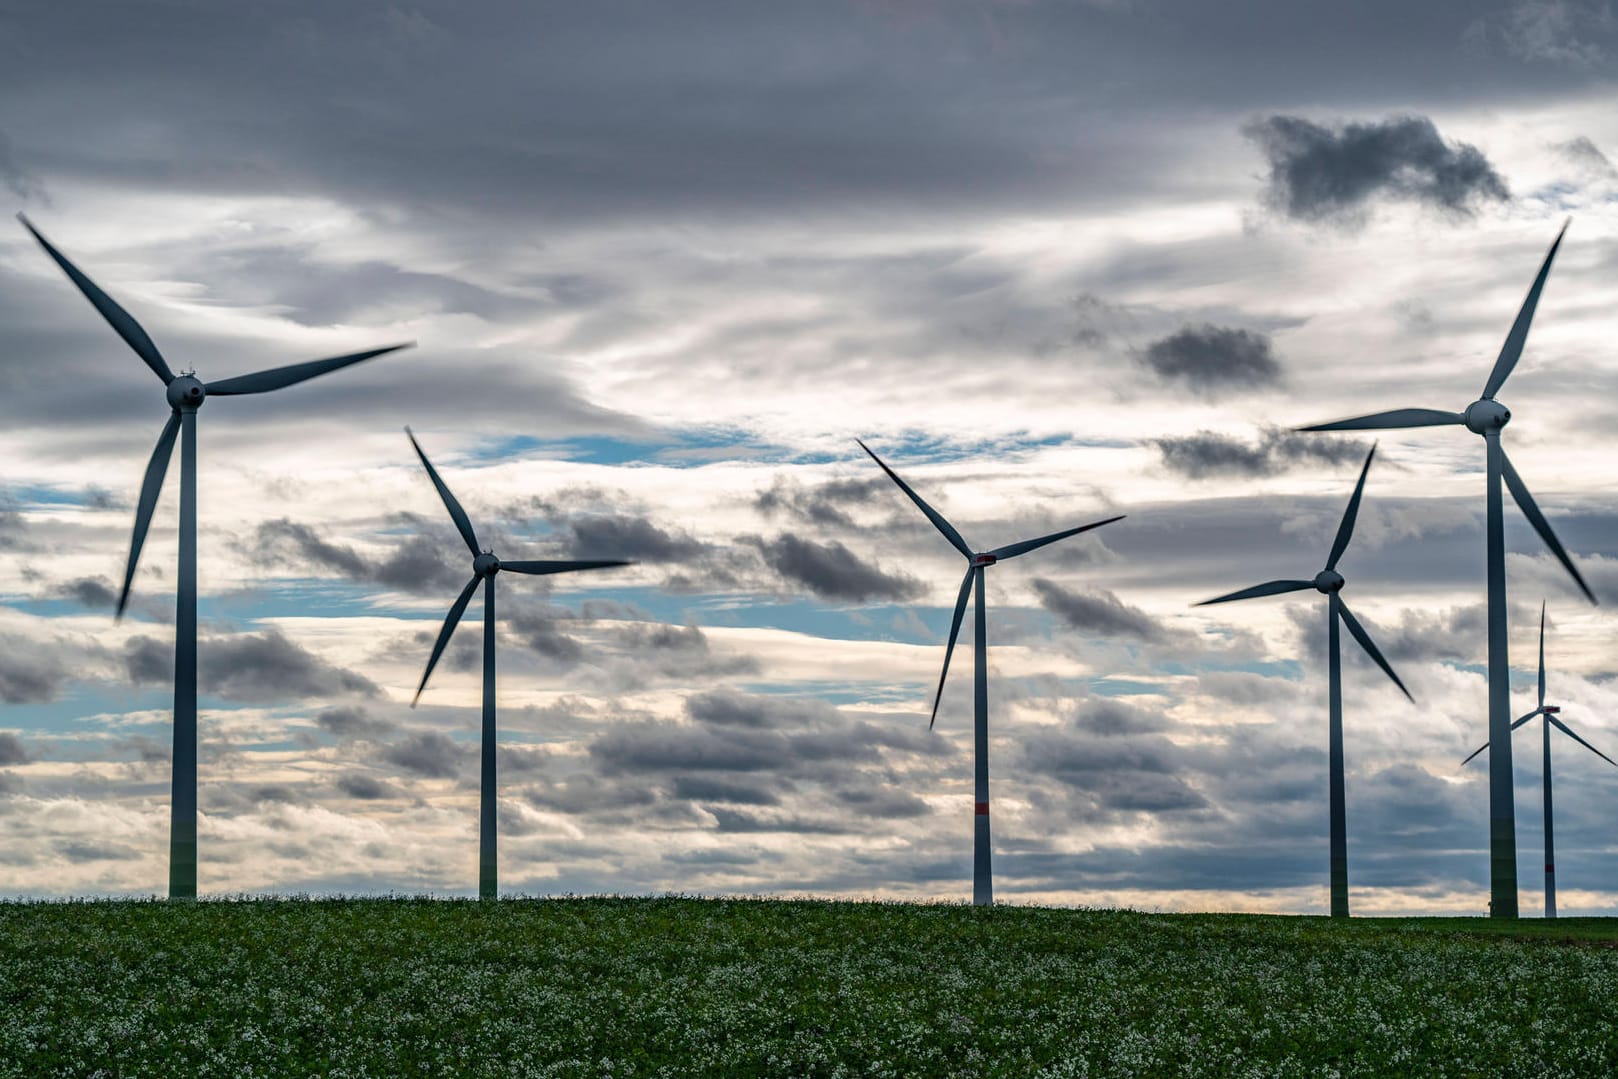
883	622
47	608
83	710
692	447
25	496
1109	686
920	447
851	693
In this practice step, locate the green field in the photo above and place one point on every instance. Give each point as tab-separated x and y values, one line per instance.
678	987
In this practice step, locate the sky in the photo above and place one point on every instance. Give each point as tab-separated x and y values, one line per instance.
662	265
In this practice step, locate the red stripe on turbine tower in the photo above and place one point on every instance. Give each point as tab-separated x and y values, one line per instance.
983	809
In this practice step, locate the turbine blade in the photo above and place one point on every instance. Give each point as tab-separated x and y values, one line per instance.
1511	351
150	488
1268	588
116	316
1520	720
1370	647
1345	530
456	514
277	377
450	622
933	515
1542	653
1012	550
1525	502
954	632
1565	729
1474	753
541	568
1399	417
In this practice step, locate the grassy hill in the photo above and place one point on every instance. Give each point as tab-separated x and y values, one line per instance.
686	987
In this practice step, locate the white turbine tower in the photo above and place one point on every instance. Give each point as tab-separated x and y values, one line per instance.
186	393
977	562
1330	582
1549	712
484	568
1488	417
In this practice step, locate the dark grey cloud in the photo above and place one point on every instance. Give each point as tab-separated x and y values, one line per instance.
728	708
881	803
1208	454
592	795
316	292
1213	358
428	753
13	528
708	789
1335	174
92	592
1098	612
263	666
650	747
633	538
824	504
30	671
1113	716
1452	634
1587	157
831	570
18	180
741	820
1571	34
681	653
541	631
416	564
1103	778
80	851
146	750
353	721
731	732
366	788
12	750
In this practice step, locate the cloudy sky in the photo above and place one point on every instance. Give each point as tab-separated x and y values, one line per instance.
1056	260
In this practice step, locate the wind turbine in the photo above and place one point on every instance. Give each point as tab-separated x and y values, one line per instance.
186	393
977	562
1549	711
1331	583
1487	417
484	567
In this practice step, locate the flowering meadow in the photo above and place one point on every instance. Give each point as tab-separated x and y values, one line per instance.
698	987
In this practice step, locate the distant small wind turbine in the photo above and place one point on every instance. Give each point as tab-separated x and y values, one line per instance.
1488	417
484	567
1550	712
1331	583
982	879
186	393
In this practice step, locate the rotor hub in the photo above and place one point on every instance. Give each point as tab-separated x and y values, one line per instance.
1329	581
485	565
1485	415
186	393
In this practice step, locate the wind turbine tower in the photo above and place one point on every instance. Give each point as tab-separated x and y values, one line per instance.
1488	417
976	563
485	566
1330	582
185	394
1550	712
